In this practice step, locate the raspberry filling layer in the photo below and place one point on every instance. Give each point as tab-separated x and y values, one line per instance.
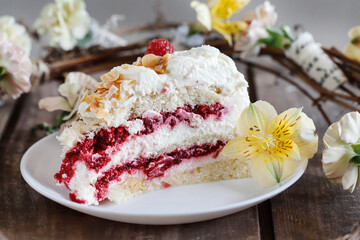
95	151
155	166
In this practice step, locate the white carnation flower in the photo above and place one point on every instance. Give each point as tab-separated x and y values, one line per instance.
15	33
341	158
64	22
15	68
264	17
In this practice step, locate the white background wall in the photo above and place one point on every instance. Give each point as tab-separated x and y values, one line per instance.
328	20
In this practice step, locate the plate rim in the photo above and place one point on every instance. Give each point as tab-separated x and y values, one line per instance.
38	187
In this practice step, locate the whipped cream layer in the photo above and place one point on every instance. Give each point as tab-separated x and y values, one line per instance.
204	68
163	140
199	76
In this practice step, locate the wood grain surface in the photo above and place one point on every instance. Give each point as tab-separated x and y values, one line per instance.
312	208
25	214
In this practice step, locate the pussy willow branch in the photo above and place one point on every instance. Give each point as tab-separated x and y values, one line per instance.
280	57
289	80
149	27
87	62
107	58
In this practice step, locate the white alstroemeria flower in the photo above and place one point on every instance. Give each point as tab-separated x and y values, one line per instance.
352	49
15	32
15	68
341	157
74	87
64	22
275	144
216	13
263	17
202	13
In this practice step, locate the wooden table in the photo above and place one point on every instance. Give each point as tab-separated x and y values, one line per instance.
312	208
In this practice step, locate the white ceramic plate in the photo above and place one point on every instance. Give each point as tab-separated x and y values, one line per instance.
175	205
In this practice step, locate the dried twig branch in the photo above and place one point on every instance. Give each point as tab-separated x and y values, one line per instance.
287	79
98	59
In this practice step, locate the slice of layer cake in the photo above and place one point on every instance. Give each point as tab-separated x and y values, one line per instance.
158	123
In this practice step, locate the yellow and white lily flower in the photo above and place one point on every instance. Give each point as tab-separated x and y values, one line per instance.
275	144
341	157
216	13
352	49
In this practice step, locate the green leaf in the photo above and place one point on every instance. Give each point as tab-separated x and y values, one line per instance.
86	41
275	39
355	40
59	119
195	28
355	160
266	41
44	127
287	45
273	33
356	148
278	42
2	72
287	32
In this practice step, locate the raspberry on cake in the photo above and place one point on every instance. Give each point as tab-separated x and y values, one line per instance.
158	123
159	47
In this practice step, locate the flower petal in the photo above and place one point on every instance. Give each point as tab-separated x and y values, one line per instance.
285	124
227	29
241	147
64	22
202	13
259	114
352	51
54	103
224	9
354	32
269	171
286	150
336	162
350	127
306	138
332	136
233	147
263	172
350	179
75	85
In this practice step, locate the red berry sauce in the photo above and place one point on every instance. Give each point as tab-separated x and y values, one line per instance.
73	198
97	151
155	166
85	150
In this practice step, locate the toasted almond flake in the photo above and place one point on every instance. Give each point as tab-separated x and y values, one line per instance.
114	86
125	66
157	63
112	91
150	60
110	76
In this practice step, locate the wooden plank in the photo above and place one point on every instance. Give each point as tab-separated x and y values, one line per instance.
264	208
5	114
25	214
312	208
